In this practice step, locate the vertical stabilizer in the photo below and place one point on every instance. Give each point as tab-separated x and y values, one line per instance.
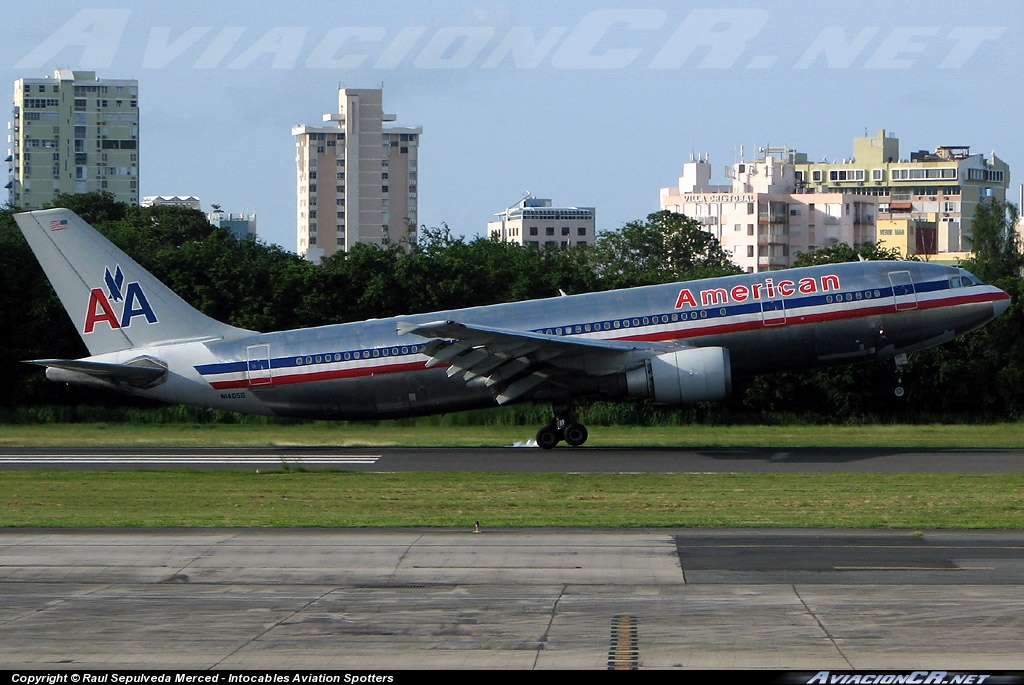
113	302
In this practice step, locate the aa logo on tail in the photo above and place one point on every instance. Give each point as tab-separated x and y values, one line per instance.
130	298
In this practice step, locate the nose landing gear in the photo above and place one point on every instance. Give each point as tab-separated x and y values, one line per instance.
899	388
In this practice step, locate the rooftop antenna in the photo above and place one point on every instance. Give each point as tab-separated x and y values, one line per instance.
509	208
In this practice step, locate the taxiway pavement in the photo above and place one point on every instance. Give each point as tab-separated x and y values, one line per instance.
511	599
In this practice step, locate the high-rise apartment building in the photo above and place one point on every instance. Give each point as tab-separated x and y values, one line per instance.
534	222
73	133
780	204
356	179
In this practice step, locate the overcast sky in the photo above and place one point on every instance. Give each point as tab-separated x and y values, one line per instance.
588	103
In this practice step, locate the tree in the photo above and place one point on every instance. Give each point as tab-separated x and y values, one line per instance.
995	243
95	207
664	248
983	372
843	252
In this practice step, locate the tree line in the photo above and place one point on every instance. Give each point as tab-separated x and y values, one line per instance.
262	287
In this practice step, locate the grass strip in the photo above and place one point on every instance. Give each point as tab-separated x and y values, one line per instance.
295	498
413	434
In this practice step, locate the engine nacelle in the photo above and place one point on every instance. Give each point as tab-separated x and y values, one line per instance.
699	374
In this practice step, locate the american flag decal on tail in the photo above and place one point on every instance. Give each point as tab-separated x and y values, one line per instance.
58	225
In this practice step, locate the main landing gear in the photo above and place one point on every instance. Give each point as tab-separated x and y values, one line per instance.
562	427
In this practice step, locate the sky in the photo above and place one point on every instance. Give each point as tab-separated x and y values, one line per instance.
593	104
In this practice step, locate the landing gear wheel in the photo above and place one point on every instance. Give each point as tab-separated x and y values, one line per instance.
548	437
900	389
575	434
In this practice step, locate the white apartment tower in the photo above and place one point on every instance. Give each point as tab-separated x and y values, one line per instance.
73	133
356	179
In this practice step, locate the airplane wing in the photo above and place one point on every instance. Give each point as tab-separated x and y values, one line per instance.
517	364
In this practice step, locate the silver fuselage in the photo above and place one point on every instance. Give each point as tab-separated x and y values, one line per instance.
769	322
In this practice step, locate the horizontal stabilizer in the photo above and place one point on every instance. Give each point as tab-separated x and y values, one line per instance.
138	373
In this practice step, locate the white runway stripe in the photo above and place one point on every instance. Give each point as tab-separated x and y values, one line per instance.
179	459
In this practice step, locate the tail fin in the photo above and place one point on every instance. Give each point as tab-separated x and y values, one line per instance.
114	303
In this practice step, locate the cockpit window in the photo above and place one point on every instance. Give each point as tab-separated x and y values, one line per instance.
964	280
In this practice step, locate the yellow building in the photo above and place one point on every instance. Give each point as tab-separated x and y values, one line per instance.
937	192
780	204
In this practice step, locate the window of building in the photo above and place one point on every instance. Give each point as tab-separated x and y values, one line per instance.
916	174
840	175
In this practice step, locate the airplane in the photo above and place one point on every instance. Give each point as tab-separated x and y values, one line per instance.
672	344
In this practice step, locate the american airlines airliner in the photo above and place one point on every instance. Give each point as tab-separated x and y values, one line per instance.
673	344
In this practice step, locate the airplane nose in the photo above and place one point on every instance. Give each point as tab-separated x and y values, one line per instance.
1000	306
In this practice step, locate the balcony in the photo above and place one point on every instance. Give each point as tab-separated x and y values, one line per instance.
772	237
772	263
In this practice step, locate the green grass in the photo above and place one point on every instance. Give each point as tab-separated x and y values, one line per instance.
387	434
298	498
340	499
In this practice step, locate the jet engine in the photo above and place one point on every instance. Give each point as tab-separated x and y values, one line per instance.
698	374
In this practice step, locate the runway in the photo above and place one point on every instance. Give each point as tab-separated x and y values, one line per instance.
531	460
511	599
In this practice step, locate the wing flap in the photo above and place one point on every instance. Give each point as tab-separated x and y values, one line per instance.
518	365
